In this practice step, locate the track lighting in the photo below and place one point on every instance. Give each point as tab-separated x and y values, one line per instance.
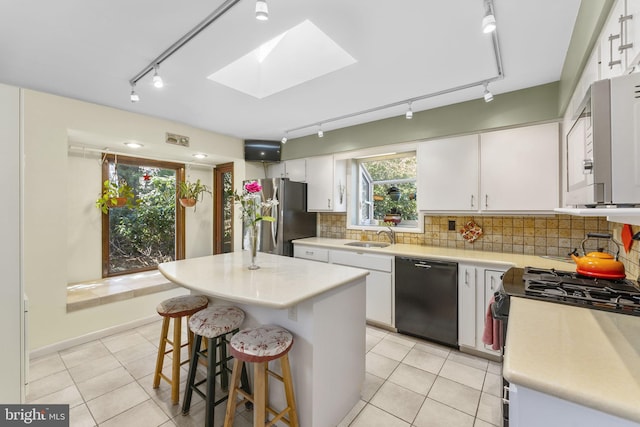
284	138
262	10
134	97
409	114
320	132
489	20
157	80
488	96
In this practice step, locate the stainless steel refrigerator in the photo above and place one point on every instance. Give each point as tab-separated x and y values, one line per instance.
292	219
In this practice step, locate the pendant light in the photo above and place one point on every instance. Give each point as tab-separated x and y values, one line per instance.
262	10
320	132
409	114
134	97
489	20
157	80
488	96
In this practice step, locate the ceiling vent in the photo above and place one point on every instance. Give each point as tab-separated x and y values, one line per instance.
175	139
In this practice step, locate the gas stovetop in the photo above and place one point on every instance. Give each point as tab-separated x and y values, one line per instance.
568	287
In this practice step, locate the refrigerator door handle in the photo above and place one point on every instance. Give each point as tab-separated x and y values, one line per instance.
274	213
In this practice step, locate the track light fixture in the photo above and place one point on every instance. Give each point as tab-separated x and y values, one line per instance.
488	96
409	114
134	97
320	132
262	10
284	138
489	20
157	80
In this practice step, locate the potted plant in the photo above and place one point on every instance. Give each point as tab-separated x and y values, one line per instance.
116	195
189	193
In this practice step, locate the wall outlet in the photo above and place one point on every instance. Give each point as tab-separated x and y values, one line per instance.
452	226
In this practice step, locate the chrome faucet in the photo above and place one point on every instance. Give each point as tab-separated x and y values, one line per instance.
390	233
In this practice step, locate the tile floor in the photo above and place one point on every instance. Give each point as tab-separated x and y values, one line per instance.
409	382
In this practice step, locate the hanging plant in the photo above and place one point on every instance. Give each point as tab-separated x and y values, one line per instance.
116	195
189	193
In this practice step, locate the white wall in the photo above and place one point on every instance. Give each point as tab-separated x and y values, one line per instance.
56	248
11	356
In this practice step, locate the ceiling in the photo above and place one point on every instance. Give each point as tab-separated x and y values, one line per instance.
90	49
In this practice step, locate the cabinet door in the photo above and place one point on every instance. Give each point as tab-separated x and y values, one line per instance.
492	281
379	293
276	170
448	174
320	184
520	169
296	170
467	278
612	60
633	31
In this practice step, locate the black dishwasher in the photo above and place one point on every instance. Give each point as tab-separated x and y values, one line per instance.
427	299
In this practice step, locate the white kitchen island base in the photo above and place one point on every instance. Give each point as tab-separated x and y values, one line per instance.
327	354
322	305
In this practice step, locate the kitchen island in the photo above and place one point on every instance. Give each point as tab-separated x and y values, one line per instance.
322	305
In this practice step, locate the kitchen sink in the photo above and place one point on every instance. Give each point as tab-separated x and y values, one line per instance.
368	244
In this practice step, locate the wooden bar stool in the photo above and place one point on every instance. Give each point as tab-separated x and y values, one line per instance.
259	346
217	324
175	308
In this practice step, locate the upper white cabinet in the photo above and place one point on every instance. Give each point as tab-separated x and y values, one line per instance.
633	30
295	170
448	173
519	169
326	184
514	170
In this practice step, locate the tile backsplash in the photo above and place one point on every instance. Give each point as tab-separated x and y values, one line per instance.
529	235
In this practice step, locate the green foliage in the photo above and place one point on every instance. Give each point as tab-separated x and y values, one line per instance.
192	190
111	192
390	171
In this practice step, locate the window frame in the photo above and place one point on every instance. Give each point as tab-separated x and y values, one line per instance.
180	242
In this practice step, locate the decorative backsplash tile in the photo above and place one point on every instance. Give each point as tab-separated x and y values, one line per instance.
530	235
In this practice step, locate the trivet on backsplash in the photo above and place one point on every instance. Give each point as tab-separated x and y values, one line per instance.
471	231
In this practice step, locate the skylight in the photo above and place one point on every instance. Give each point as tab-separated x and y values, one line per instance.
298	55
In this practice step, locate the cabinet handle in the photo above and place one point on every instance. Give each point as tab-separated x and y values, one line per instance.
486	200
329	203
505	394
466	275
613	37
472	200
309	252
492	283
624	42
422	265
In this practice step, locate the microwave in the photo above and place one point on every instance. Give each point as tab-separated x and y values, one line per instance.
603	146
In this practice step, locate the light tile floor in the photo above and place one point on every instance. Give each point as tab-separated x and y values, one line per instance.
409	382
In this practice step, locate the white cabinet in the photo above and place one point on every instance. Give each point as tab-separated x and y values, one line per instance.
531	408
295	170
476	285
519	169
448	174
379	281
326	184
633	31
513	170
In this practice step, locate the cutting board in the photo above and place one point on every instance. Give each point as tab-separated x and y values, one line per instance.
626	236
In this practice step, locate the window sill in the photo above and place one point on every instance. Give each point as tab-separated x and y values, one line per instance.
104	291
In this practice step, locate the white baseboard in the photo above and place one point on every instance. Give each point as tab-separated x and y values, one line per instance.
72	342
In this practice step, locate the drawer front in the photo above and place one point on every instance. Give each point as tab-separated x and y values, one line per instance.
362	260
313	254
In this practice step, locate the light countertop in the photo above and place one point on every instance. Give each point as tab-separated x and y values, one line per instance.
280	282
590	357
447	254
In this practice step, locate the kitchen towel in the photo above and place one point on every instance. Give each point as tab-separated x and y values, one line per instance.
492	329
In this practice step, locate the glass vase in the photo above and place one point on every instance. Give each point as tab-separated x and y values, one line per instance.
253	241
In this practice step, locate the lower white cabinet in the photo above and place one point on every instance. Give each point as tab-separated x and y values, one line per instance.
476	285
379	303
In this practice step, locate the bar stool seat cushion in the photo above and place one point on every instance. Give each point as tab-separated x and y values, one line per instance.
261	344
216	320
184	305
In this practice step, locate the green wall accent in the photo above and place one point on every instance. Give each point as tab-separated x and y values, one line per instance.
592	16
531	105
